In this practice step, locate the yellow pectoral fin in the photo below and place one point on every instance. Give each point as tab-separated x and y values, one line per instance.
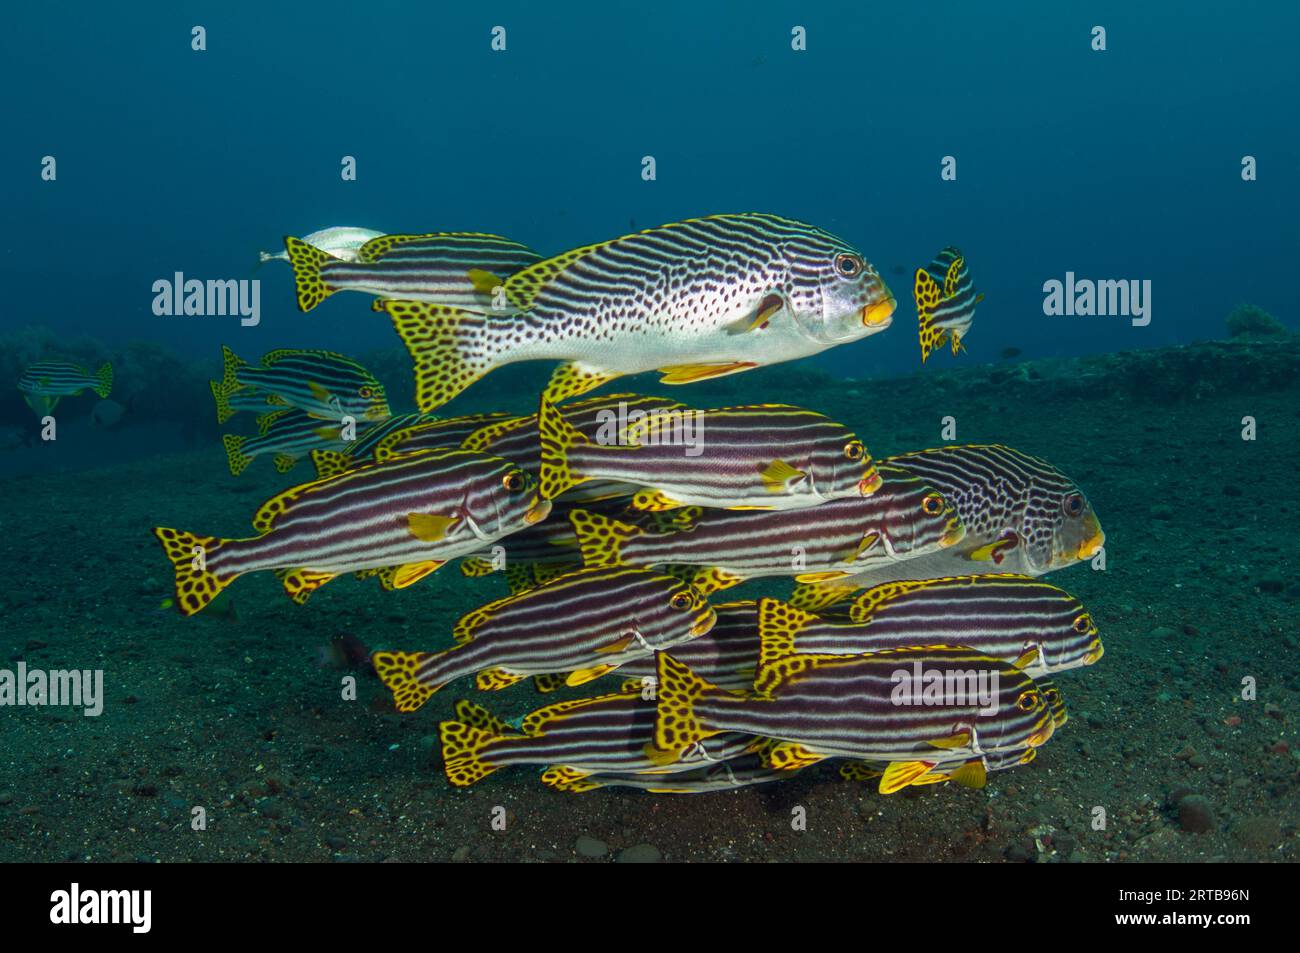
1027	658
820	576
617	645
584	675
319	392
972	774
960	740
900	774
778	475
429	527
411	573
484	282
689	373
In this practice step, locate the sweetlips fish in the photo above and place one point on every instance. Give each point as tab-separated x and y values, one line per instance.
903	519
457	269
322	383
406	517
340	241
758	457
694	300
970	772
362	450
404	433
586	623
288	435
1029	623
738	772
945	301
612	733
913	708
596	419
44	383
1022	515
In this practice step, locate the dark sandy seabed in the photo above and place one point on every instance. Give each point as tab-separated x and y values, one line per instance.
243	718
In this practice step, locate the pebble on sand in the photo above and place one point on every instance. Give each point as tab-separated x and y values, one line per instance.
590	847
640	854
1196	814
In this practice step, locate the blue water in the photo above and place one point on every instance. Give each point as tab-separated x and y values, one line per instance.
1116	164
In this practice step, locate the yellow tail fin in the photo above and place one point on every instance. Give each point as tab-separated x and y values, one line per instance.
229	383
778	626
601	539
235	455
397	671
462	752
677	723
196	585
558	437
307	261
330	463
927	293
447	347
105	378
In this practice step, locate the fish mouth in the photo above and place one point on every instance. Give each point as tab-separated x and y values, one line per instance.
705	625
377	413
881	314
1041	736
1092	545
953	535
538	512
870	483
1095	652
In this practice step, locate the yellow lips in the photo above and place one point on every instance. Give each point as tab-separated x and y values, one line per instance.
1095	652
538	512
705	625
1090	546
955	533
880	314
1040	737
870	483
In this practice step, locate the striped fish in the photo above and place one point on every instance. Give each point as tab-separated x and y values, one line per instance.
406	517
288	435
323	384
613	733
913	708
587	623
903	519
738	772
1021	514
341	241
970	772
446	434
518	438
759	457
726	656
453	269
1031	624
362	450
694	300
44	383
945	301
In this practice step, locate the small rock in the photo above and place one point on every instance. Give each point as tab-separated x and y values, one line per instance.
591	847
1163	632
1196	814
1162	511
640	854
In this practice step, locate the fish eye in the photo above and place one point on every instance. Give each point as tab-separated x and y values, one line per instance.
932	505
1083	625
848	266
1073	504
1052	695
681	601
1027	701
854	450
513	481
366	391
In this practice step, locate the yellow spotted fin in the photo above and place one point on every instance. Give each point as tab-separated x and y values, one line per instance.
450	348
679	693
462	752
235	456
558	437
779	624
564	778
574	378
927	293
307	260
229	383
104	379
397	671
196	585
600	538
